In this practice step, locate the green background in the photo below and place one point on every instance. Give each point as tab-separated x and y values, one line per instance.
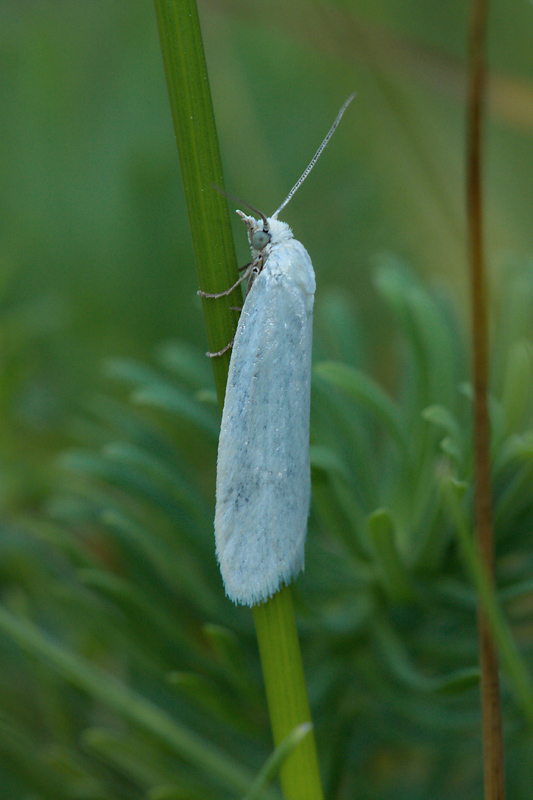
96	263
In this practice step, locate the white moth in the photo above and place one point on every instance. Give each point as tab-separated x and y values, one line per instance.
263	487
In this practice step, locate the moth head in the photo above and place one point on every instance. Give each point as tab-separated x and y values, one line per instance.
259	234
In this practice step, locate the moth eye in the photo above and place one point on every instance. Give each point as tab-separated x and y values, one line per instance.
260	239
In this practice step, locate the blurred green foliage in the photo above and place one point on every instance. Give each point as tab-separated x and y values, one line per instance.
143	681
108	554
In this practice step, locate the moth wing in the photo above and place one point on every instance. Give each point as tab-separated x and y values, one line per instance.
263	473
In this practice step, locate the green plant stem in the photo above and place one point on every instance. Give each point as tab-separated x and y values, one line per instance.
490	690
201	169
286	692
192	113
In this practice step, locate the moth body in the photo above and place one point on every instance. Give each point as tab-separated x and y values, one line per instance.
263	473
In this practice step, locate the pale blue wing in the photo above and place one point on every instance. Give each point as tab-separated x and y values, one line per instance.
263	476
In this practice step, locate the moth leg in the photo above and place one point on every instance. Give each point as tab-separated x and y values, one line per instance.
255	270
228	291
235	308
224	349
250	270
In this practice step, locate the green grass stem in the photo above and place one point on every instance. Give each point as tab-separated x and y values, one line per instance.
201	169
286	692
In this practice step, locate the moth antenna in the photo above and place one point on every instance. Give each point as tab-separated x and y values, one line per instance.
256	211
241	202
315	158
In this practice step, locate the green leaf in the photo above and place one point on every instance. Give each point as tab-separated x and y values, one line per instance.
272	766
129	371
327	460
130	705
170	398
518	384
161	472
126	477
338	335
429	333
189	363
443	418
361	388
409	675
391	568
